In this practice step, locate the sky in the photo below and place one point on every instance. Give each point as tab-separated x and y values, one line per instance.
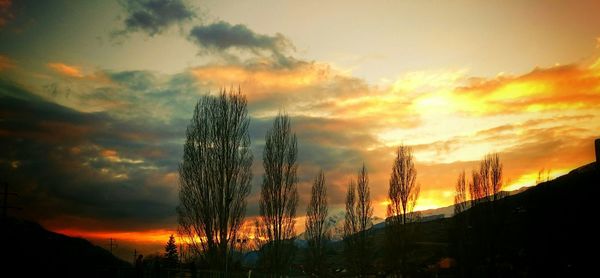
95	97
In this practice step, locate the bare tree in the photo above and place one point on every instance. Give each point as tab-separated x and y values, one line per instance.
459	228
359	216
404	190
279	195
351	219
403	195
364	208
460	195
214	176
541	177
364	213
493	218
490	177
475	190
495	175
317	230
351	229
486	221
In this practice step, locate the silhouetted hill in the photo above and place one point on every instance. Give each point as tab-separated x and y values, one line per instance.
29	250
548	230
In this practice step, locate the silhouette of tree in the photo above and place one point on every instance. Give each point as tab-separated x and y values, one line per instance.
403	195
279	196
542	177
475	191
359	215
491	179
490	175
486	222
171	255
459	221
215	175
317	230
364	213
460	195
351	229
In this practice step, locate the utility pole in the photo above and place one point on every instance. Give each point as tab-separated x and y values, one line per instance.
134	256
5	205
112	243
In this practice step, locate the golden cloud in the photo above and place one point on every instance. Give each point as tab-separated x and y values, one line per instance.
348	116
552	89
144	237
262	79
68	70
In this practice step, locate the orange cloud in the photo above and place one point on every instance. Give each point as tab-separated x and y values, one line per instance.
68	70
144	237
259	79
552	89
113	156
109	154
331	98
309	89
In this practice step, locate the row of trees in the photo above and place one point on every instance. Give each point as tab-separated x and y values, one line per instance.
215	179
358	221
476	232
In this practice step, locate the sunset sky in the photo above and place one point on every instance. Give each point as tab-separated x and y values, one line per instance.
95	97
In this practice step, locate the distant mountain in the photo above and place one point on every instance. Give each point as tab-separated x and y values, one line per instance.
448	211
335	222
29	250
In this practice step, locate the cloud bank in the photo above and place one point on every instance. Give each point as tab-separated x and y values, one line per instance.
154	16
222	36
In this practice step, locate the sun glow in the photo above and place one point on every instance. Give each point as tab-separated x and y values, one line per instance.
149	236
530	179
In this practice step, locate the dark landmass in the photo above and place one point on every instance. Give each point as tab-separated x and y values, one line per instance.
29	250
545	231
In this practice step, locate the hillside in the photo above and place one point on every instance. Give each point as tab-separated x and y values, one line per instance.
546	230
31	250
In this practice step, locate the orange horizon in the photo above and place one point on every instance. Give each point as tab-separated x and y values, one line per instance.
160	236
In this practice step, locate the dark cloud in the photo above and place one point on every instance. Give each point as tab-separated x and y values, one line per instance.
138	95
222	36
154	16
135	80
67	164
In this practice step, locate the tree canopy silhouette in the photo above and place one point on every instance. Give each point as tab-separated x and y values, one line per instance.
403	194
481	227
317	230
171	255
215	175
279	195
359	215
